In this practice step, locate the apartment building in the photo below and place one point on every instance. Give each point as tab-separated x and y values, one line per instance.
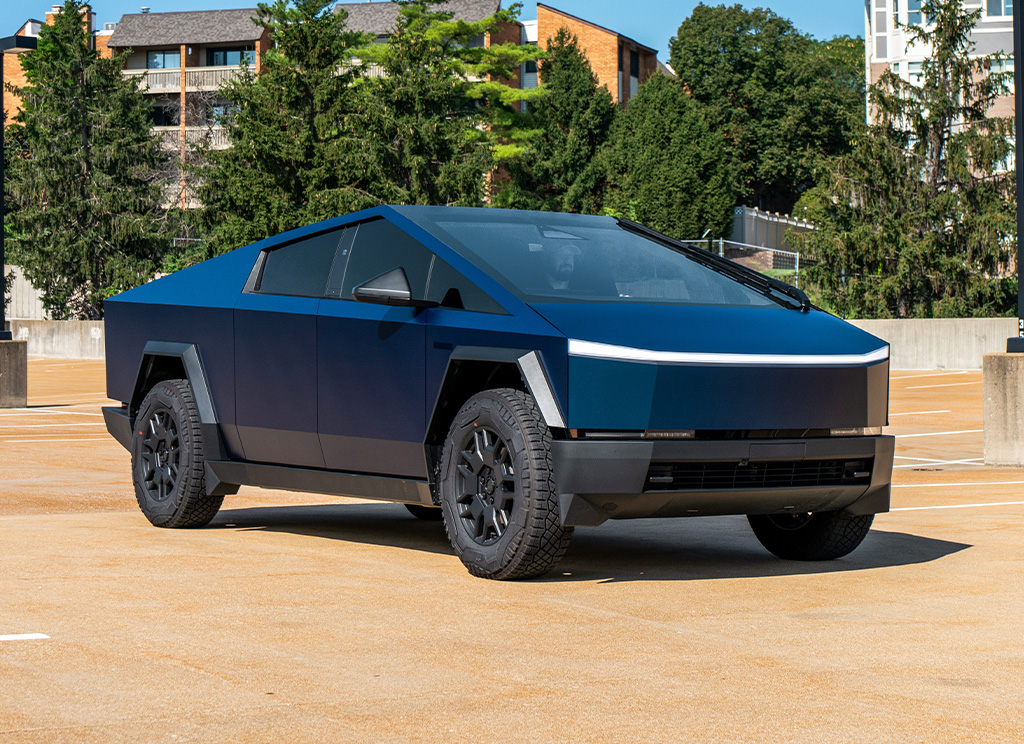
181	60
888	47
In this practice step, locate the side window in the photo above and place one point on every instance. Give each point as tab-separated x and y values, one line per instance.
380	247
449	288
300	268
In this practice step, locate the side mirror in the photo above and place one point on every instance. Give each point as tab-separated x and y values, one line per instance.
390	288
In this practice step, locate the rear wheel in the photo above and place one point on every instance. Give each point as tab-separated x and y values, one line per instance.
497	488
815	536
168	459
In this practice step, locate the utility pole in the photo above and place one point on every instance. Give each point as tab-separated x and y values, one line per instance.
1016	345
9	45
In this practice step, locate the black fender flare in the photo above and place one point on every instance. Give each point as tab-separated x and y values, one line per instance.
192	366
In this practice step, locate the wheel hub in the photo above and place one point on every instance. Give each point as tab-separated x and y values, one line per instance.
160	454
485	486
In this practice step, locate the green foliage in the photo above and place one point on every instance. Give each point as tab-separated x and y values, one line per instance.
559	170
81	174
296	155
780	100
433	116
919	220
665	168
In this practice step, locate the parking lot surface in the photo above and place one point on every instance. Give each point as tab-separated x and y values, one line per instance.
298	617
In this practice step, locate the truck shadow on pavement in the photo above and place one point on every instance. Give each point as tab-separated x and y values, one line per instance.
697	549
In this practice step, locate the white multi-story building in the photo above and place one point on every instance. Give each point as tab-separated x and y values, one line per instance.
887	46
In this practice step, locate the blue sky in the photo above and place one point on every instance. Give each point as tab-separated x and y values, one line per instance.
651	22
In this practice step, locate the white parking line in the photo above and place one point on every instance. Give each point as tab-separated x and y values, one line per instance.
939	374
50	426
925	463
948	384
939	433
917	413
950	485
78	439
957	506
25	637
44	412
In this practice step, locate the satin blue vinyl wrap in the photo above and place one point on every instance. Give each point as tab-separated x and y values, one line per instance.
337	384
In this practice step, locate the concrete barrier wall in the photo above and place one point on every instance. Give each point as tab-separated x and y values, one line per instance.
68	339
915	344
941	343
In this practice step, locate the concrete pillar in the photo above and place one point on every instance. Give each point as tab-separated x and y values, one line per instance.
1003	391
13	374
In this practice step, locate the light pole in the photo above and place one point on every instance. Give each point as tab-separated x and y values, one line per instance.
1016	345
8	45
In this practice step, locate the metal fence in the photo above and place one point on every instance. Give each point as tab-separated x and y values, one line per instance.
773	261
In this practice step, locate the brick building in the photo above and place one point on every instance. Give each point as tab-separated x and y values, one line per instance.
620	63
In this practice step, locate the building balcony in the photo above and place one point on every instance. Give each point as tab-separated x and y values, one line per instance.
216	138
196	78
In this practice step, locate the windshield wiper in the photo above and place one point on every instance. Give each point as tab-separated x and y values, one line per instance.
766	285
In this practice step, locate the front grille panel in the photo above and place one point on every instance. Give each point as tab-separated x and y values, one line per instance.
746	475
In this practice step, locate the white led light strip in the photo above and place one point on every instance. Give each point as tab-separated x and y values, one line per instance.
628	354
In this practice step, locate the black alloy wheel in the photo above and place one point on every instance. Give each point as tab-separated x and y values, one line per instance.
497	490
168	458
485	486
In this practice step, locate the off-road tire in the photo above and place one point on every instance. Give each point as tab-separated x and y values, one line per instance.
168	459
817	536
426	513
519	535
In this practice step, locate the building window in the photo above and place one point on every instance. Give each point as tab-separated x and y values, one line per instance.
914	15
915	72
896	69
230	56
1000	8
163	59
621	71
1005	66
164	115
634	72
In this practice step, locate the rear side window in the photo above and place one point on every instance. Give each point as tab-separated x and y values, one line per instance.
380	247
300	268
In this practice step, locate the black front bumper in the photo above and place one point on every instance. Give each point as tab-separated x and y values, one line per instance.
600	480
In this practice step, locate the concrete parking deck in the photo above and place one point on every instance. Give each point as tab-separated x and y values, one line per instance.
302	618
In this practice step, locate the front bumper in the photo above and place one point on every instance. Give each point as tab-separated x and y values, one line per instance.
600	480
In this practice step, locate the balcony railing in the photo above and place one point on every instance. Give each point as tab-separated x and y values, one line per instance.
216	138
196	78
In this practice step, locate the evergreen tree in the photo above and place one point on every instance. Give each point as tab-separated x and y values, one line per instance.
438	110
295	157
919	220
665	167
84	203
779	99
558	171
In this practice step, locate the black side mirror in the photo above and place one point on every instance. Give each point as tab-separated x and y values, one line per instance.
390	288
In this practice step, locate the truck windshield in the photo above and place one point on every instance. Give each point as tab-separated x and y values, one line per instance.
578	258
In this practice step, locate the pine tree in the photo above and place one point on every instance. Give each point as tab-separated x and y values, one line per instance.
85	206
295	156
918	220
439	109
558	171
665	168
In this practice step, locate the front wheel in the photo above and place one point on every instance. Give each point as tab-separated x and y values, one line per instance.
168	459
498	497
815	536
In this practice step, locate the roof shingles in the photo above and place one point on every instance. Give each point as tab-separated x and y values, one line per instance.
379	18
186	27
